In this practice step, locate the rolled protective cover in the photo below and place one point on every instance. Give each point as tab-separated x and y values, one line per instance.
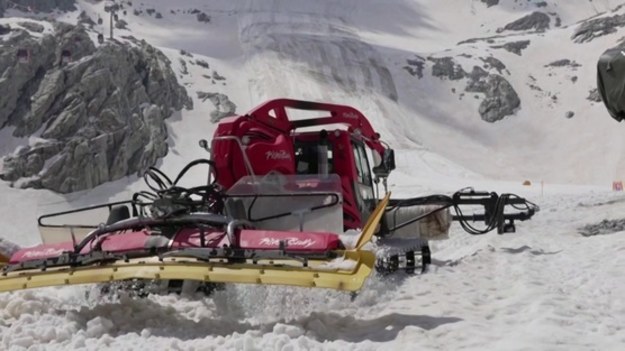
611	81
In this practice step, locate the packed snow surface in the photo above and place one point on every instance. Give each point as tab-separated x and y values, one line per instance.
546	287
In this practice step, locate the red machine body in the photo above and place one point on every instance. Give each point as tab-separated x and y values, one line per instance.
267	140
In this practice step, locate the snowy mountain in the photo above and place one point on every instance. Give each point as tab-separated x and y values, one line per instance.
485	93
429	76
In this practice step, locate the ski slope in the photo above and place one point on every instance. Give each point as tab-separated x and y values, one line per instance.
545	287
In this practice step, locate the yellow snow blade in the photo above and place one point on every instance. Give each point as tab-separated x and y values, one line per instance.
347	273
372	224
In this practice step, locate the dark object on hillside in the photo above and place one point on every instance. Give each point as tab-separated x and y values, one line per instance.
604	227
202	63
597	27
563	63
594	96
537	21
490	3
515	47
203	17
611	81
5	29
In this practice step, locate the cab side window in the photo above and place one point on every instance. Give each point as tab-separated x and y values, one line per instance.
364	186
362	165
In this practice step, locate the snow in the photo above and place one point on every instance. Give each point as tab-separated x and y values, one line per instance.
340	263
546	287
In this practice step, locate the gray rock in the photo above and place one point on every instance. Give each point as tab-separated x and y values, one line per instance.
203	17
202	63
101	116
514	47
604	227
477	74
32	26
20	165
501	99
183	64
563	63
569	114
489	40
445	67
85	20
415	66
492	62
490	3
597	27
594	95
538	21
557	18
223	106
38	6
121	24
216	76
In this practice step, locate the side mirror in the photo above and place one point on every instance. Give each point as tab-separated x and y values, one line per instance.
387	164
388	160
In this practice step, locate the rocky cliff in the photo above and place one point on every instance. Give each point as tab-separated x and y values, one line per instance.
97	112
37	6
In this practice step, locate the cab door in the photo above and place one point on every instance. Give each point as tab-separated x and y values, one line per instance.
363	183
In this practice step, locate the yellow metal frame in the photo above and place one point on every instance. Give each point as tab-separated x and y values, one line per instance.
318	273
283	272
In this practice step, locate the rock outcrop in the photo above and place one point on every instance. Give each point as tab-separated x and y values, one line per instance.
538	21
490	3
515	47
98	113
593	95
563	63
37	5
446	67
415	66
223	106
500	98
597	27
